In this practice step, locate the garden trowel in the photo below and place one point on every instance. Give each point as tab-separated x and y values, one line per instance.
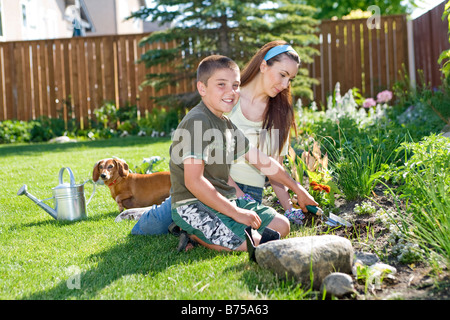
333	220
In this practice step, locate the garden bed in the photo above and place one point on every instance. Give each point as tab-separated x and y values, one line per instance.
413	281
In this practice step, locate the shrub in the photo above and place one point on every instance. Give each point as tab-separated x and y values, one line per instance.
12	131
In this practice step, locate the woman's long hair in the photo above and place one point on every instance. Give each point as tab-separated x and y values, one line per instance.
279	113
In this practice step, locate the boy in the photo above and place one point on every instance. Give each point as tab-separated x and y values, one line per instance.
204	145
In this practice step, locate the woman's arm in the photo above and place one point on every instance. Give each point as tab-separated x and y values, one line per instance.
281	191
239	192
275	171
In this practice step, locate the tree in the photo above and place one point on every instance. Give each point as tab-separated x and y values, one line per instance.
233	28
339	8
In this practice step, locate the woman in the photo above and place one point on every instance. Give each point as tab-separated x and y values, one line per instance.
265	114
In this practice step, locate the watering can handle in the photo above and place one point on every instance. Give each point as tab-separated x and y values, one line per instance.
72	178
93	191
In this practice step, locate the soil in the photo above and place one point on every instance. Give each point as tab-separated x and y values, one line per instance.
415	281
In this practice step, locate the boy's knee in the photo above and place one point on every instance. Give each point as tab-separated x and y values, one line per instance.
281	224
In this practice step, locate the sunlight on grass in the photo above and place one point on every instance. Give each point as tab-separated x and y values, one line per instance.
42	258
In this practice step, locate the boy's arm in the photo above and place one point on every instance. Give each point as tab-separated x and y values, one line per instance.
205	192
275	171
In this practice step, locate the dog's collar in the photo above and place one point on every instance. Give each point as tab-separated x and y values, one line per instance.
109	185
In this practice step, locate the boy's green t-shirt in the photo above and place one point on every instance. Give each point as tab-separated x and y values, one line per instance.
216	141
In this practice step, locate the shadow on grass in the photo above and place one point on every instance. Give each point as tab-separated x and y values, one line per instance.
21	149
97	217
144	255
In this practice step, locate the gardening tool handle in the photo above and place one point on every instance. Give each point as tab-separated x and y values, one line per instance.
315	210
312	209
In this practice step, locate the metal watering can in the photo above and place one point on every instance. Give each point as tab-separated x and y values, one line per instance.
69	200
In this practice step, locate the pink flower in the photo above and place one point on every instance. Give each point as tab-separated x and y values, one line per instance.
384	96
368	103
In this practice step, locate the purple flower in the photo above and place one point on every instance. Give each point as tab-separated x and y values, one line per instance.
384	96
368	103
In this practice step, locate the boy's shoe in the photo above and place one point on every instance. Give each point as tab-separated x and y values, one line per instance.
130	214
174	229
250	243
184	241
267	235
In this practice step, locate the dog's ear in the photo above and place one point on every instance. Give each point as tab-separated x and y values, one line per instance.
123	168
96	172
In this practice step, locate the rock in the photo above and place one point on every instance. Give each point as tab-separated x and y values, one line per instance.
297	257
366	258
383	269
62	139
337	284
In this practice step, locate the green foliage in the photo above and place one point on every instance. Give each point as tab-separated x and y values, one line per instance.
428	157
107	115
445	55
423	181
396	146
331	8
15	131
160	120
109	122
233	28
422	105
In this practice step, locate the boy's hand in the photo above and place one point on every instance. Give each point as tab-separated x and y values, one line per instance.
247	217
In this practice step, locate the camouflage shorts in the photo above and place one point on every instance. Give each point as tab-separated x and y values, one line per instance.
216	228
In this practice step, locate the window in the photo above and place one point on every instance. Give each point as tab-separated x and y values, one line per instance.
30	13
24	15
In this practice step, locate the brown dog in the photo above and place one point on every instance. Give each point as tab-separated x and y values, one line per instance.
132	190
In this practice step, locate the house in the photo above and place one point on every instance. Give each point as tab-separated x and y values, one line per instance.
49	19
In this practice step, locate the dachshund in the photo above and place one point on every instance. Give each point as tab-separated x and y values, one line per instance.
132	190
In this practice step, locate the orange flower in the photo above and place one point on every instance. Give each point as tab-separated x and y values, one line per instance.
320	187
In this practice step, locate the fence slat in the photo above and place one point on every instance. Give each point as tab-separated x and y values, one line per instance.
2	85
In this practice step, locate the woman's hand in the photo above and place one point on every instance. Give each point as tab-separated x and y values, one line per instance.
304	199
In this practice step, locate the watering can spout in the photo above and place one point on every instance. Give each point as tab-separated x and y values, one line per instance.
23	191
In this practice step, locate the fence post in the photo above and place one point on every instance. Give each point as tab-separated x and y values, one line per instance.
411	57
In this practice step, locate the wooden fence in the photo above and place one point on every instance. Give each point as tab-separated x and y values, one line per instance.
72	77
359	53
430	39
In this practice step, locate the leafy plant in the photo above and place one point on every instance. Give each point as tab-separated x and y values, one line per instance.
149	164
322	187
107	115
445	55
364	208
424	184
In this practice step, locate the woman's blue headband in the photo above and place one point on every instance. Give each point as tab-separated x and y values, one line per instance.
278	50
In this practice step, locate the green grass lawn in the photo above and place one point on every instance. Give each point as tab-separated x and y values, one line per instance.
97	258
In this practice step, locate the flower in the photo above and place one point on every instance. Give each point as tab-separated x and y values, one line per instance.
368	103
384	96
320	187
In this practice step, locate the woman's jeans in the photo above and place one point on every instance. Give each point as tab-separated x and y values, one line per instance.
255	192
154	221
158	218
